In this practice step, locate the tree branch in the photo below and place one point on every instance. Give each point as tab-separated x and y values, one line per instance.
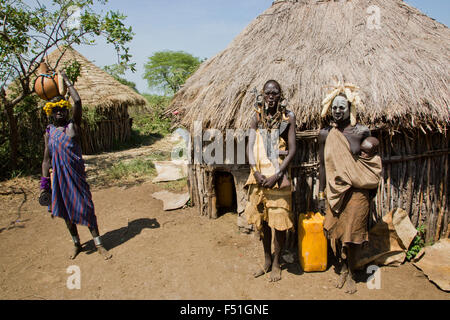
50	36
19	60
13	66
19	98
3	96
3	32
7	77
4	25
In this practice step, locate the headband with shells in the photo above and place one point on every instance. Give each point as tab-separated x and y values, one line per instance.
351	92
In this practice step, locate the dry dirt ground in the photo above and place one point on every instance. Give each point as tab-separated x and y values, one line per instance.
158	255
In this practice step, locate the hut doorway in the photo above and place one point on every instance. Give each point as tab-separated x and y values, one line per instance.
225	190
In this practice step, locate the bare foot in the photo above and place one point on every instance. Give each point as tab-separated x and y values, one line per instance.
275	275
350	287
267	266
76	250
342	279
101	249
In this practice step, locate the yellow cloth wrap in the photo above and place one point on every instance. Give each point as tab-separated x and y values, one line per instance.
270	205
263	163
264	204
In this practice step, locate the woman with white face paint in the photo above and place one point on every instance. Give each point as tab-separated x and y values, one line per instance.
347	176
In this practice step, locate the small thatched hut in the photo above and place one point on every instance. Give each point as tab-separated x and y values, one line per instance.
105	97
399	58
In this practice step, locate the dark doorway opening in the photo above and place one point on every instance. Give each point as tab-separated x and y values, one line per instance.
225	192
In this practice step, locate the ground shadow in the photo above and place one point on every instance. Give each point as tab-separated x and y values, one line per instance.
137	140
332	259
293	268
117	237
290	262
14	225
361	276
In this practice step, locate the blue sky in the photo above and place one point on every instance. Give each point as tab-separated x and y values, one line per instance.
200	27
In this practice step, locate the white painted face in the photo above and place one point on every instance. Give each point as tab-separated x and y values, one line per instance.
340	109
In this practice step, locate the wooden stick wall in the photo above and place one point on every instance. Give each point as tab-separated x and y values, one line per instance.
113	128
415	178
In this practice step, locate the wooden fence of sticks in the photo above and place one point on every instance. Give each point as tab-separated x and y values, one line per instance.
415	178
113	127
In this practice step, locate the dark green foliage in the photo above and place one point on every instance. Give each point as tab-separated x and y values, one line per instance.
32	122
168	70
72	70
124	169
417	244
118	71
154	120
29	31
91	117
149	125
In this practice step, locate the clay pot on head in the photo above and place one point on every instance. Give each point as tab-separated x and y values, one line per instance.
48	84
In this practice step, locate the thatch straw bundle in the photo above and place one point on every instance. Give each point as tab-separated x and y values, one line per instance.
95	86
401	68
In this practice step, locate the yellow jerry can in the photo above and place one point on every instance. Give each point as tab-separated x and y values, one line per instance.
312	244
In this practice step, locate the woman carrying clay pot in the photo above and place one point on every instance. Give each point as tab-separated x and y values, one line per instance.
70	194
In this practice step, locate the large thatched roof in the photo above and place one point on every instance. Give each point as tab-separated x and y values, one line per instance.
95	86
401	68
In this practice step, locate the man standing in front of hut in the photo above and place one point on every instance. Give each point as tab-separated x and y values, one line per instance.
349	171
271	149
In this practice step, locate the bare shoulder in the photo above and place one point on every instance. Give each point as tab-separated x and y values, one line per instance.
291	116
73	130
362	130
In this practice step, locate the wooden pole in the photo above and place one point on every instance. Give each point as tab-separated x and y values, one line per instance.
410	170
442	193
388	182
428	200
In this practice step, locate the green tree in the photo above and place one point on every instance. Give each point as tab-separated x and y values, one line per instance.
168	70
29	31
117	71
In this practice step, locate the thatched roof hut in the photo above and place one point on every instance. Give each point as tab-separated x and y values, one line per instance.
109	98
95	86
399	58
401	68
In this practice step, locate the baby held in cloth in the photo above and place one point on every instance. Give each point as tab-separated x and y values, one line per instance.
369	147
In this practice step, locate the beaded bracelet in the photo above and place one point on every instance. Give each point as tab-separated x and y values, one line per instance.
45	183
